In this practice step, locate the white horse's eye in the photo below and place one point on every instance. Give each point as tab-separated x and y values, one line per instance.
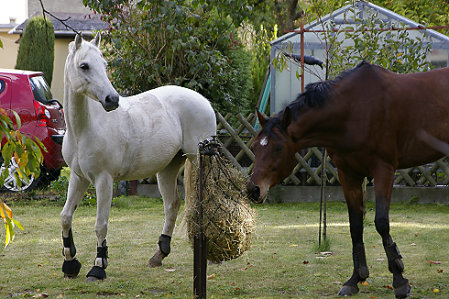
84	66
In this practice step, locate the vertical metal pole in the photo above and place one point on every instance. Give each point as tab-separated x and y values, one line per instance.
321	203
199	243
208	147
323	199
323	195
302	55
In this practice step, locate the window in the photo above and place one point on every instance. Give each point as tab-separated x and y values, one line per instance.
2	85
41	90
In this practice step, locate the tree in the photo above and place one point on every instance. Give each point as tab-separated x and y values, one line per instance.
193	44
347	45
430	13
285	14
27	154
394	50
36	49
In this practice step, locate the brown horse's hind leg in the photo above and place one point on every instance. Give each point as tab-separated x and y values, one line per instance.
383	188
352	187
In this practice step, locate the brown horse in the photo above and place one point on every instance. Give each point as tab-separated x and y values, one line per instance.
372	122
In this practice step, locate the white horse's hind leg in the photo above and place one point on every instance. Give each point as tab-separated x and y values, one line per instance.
103	186
166	180
77	187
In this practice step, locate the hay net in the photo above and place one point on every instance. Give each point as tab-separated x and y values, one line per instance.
228	219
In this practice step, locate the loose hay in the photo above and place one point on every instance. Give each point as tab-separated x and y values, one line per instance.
228	219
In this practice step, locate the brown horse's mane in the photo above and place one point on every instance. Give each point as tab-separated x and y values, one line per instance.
315	95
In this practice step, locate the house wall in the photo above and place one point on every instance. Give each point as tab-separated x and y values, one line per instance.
61	51
8	54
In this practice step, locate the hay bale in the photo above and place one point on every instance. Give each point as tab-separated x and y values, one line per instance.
228	219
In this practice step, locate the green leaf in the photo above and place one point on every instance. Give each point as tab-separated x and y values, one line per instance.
18	121
7	152
17	223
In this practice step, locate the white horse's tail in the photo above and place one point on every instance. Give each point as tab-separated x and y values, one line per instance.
189	199
189	184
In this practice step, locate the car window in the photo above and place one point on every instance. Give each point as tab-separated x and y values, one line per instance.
41	90
2	85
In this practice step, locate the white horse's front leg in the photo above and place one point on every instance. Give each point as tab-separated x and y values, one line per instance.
103	186
166	180
77	187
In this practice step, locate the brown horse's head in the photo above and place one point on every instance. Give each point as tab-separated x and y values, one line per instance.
274	155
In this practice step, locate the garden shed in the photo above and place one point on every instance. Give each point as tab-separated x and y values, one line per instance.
286	84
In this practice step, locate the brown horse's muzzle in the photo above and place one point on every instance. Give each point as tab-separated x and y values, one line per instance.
254	192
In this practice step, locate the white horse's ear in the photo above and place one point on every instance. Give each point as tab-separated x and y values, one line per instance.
78	41
96	40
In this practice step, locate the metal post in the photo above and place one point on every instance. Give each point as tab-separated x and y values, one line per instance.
302	55
208	147
323	195
323	201
199	242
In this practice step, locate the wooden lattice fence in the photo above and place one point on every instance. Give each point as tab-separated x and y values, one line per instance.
237	132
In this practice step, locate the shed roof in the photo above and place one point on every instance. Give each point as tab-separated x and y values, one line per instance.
84	23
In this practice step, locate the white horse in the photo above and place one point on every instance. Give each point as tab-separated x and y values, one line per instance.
146	134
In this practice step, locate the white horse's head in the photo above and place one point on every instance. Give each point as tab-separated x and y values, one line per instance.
85	71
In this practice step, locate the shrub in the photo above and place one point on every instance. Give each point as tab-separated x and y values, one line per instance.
37	47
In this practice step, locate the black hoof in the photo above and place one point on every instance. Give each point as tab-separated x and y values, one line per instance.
403	291
96	273
348	290
71	268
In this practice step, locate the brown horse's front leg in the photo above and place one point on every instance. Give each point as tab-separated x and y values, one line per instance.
352	187
383	189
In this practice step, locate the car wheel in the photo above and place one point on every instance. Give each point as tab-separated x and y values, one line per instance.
10	182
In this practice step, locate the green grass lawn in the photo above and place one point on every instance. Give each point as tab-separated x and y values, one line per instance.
282	262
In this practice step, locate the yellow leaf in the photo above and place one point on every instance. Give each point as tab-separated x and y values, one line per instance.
436	291
211	276
5	209
8	233
23	159
2	213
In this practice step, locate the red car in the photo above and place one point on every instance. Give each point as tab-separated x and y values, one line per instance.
29	95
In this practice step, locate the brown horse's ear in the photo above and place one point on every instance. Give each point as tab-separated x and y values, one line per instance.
286	118
262	118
